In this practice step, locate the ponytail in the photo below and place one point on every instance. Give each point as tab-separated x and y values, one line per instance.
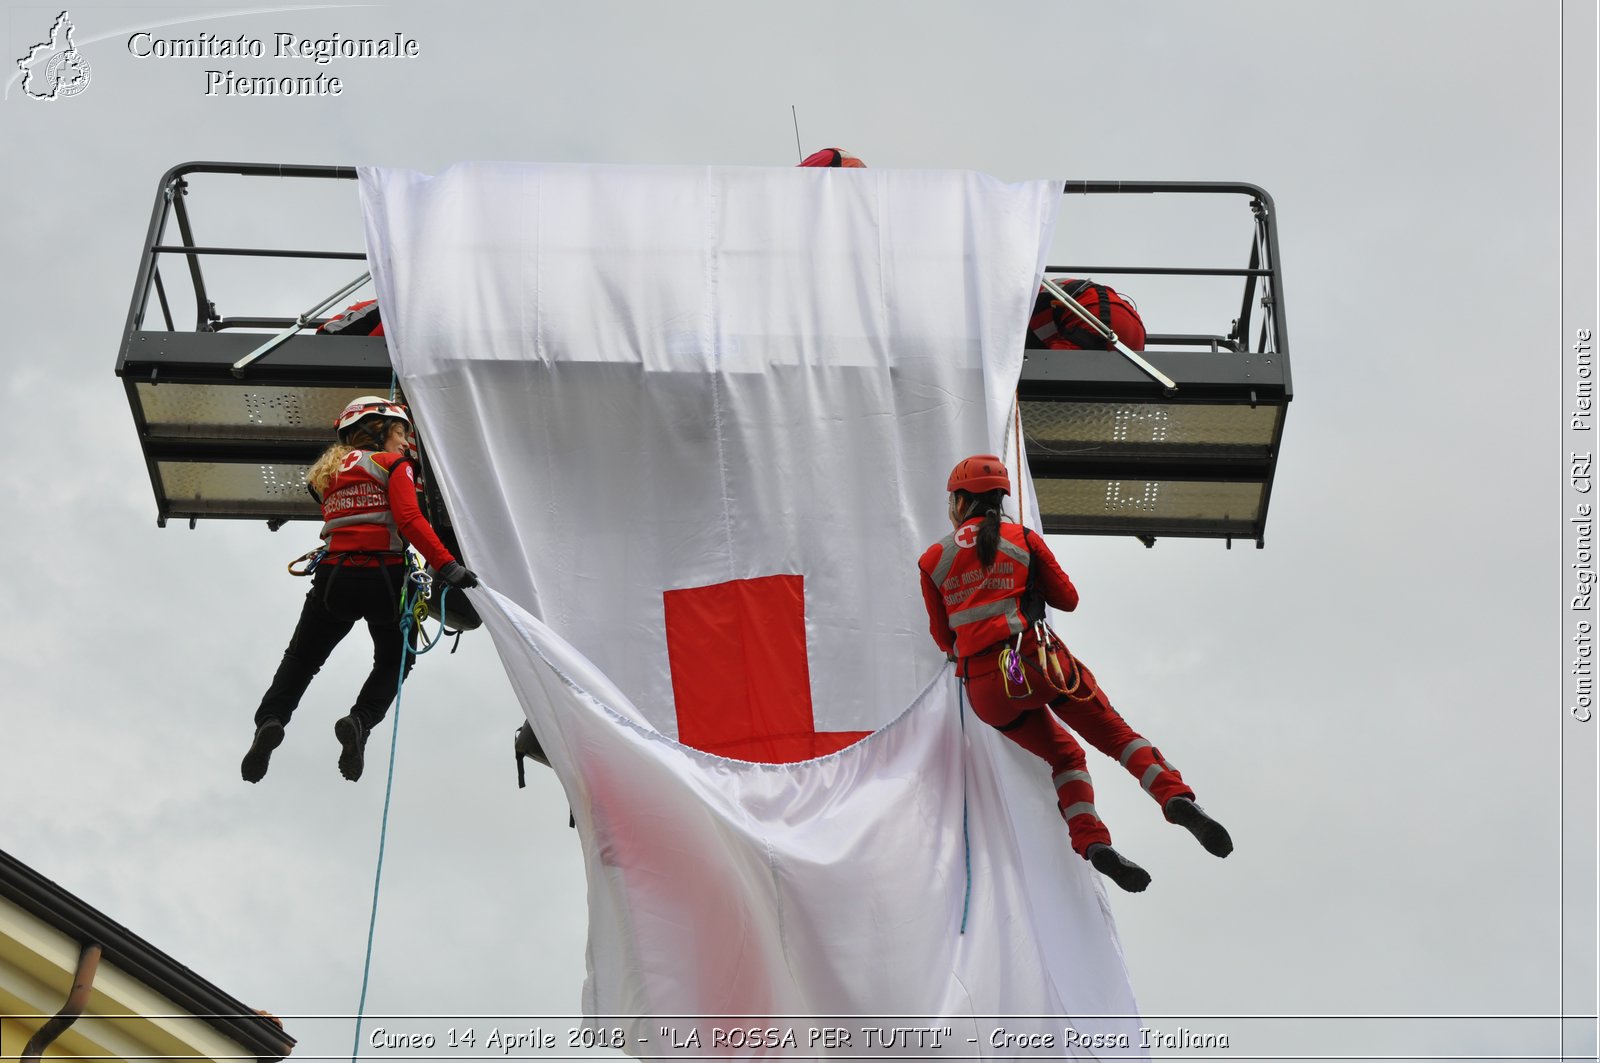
988	503
989	537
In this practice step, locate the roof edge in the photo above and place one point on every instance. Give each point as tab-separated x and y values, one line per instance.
51	903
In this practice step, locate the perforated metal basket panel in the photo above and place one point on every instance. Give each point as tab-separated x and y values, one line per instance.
223	489
1112	427
222	411
1110	505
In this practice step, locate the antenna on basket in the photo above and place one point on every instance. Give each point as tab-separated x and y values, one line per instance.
798	150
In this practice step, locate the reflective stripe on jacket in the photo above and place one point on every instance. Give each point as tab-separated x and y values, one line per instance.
371	508
970	607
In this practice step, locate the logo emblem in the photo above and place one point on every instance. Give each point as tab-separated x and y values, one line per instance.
967	536
54	69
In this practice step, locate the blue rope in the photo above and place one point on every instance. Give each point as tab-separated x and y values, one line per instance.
406	649
966	840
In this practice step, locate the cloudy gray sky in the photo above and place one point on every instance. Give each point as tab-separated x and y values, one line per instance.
1372	703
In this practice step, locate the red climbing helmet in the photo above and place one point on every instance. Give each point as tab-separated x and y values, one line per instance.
833	157
979	474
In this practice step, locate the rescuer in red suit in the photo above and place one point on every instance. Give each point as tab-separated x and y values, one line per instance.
368	494
985	586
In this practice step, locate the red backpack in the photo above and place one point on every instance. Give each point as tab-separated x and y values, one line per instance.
357	319
1054	327
833	157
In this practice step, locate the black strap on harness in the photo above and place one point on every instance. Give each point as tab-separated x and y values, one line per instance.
1032	600
1071	329
377	556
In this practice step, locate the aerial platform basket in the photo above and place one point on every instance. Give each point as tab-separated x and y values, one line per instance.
1115	450
231	410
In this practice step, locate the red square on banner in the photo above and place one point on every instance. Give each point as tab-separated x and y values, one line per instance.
740	677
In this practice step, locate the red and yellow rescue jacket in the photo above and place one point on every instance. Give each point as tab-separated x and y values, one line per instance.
371	509
972	609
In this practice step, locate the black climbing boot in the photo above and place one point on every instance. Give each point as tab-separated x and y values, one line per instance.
352	736
268	737
1192	818
1118	868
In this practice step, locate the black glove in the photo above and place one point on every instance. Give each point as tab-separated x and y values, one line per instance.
458	575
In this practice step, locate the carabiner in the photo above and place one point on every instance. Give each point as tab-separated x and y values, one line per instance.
310	557
1012	672
1050	650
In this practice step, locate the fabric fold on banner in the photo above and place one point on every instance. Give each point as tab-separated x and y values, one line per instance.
693	425
834	890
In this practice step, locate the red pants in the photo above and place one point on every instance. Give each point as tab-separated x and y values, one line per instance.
1088	712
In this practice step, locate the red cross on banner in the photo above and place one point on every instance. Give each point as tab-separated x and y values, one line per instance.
740	677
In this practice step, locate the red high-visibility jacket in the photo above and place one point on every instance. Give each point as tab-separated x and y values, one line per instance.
971	608
371	508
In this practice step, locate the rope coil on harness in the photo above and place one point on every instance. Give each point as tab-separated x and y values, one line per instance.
422	581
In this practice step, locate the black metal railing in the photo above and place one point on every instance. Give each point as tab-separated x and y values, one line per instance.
170	205
1244	358
1261	271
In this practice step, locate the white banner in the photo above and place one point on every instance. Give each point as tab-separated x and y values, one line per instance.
697	421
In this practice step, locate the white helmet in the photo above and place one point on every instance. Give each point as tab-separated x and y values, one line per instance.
370	406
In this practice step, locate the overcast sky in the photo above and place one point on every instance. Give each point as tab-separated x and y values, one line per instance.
1371	703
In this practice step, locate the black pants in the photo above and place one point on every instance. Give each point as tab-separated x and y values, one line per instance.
339	596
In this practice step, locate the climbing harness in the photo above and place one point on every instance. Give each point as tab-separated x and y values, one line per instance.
417	578
1015	665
